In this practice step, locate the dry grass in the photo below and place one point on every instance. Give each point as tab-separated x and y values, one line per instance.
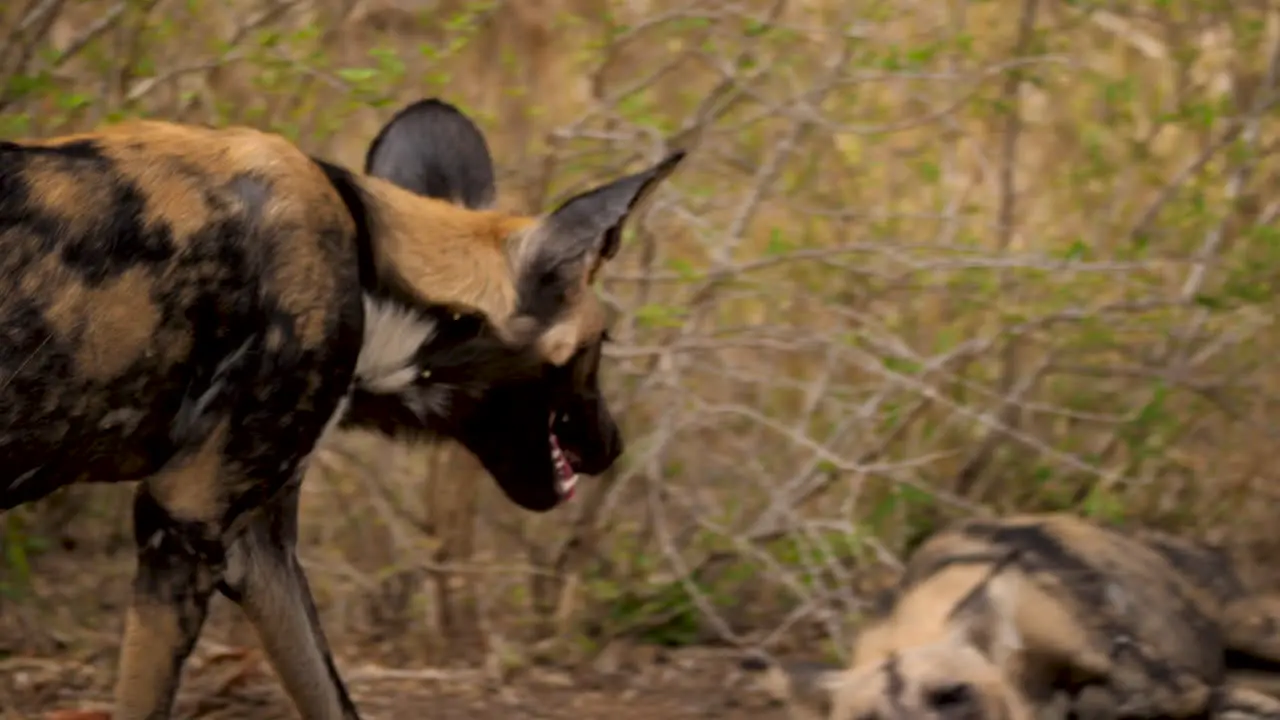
928	258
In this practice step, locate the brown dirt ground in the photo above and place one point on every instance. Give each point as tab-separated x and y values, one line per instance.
57	653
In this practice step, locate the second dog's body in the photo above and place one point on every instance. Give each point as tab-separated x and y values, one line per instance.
1005	618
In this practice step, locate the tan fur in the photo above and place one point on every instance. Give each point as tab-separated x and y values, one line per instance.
587	321
111	326
1140	621
192	490
471	258
62	195
297	195
151	630
462	260
188	490
1252	623
923	670
155	629
122	320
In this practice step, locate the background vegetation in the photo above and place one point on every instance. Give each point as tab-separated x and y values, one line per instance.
928	258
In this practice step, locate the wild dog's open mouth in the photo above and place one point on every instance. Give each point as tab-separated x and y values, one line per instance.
566	477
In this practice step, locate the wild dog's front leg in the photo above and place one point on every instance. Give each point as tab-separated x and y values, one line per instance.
265	579
180	559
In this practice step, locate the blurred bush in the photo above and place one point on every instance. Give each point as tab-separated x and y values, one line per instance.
927	259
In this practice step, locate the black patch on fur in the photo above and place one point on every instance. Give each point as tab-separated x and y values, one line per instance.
1040	551
379	285
1209	567
178	561
464	353
433	149
894	684
121	242
216	295
210	402
1240	660
344	183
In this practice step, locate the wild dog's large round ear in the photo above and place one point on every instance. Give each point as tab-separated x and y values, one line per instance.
432	148
557	258
807	689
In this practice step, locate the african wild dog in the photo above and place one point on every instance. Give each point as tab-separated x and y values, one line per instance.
1052	616
196	308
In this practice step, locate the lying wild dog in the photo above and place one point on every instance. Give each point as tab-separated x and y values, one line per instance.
195	308
1041	615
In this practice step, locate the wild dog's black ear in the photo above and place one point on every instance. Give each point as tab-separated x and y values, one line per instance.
558	257
432	148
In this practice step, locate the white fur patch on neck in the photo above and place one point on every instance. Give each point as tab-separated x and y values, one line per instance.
392	336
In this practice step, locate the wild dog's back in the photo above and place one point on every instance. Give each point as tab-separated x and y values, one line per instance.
137	260
1113	587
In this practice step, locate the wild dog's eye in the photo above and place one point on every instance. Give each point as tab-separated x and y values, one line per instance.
425	374
950	697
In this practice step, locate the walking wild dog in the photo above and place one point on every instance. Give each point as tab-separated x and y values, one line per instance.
195	308
1051	616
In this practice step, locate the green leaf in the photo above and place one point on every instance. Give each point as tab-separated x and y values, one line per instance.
1077	251
1103	505
357	75
778	244
656	316
683	268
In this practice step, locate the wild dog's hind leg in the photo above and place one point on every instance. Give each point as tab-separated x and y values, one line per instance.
1141	687
265	579
1233	702
176	521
